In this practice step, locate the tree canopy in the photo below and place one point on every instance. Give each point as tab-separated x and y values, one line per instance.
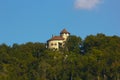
33	61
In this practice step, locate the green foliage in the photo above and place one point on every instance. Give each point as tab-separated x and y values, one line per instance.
32	61
73	44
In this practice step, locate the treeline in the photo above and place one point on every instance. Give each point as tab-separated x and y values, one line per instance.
97	57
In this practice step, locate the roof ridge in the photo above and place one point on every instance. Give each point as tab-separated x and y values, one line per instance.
56	38
64	31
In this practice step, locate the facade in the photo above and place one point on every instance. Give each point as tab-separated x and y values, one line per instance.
58	41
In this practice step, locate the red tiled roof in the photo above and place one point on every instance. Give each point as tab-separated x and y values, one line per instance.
64	31
56	38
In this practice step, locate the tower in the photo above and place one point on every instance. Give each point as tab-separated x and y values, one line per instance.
64	33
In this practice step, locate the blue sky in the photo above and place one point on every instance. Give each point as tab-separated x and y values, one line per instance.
24	21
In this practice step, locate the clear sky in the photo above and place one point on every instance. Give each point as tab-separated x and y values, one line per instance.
24	21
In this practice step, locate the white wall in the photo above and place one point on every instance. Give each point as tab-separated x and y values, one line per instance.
65	36
54	44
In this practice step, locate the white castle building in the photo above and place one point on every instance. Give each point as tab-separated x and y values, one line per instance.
58	41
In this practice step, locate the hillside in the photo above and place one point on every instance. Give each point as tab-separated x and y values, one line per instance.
97	57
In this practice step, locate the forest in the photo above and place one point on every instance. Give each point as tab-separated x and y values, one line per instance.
97	57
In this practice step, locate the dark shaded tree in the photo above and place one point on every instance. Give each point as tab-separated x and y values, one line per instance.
73	44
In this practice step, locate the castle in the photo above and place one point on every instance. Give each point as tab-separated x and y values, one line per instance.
57	42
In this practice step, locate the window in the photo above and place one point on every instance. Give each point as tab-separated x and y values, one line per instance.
51	44
55	44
